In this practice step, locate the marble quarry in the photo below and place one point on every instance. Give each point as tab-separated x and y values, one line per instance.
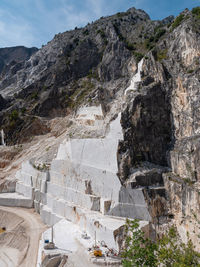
82	185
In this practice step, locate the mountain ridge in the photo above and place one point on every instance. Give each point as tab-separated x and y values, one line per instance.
94	55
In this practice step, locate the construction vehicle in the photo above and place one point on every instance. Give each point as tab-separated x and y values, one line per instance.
97	252
2	230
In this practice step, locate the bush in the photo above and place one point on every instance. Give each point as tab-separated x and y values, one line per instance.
86	32
14	115
93	74
129	46
102	33
178	21
196	11
140	251
159	34
149	43
120	14
162	54
103	36
76	41
138	56
167	251
34	95
190	71
23	110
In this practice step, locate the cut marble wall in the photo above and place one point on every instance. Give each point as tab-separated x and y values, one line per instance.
82	184
92	116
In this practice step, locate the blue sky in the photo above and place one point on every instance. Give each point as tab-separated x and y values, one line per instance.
35	22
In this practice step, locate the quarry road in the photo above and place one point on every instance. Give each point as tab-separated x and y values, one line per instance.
19	244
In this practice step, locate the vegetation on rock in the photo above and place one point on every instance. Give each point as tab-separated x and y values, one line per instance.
167	251
178	21
196	12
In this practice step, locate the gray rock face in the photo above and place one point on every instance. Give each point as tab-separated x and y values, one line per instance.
86	63
10	56
147	126
12	60
164	115
3	103
161	124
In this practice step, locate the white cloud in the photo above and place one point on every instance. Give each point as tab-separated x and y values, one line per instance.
14	31
35	22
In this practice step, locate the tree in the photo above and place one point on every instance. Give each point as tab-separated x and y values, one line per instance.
140	251
168	251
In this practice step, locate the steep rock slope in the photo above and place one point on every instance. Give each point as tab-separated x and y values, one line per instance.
86	64
161	123
10	56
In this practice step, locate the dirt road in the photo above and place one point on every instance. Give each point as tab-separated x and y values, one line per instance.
19	244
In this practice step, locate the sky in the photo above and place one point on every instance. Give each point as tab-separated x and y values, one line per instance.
35	22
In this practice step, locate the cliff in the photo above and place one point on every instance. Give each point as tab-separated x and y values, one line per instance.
161	124
86	64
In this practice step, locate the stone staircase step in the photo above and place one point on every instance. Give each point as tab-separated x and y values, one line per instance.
75	196
25	190
15	200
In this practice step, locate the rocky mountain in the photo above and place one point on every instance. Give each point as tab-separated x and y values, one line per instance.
86	63
10	56
160	117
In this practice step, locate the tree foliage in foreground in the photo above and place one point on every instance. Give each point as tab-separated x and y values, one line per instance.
166	252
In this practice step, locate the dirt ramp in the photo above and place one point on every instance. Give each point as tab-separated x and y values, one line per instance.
19	243
14	242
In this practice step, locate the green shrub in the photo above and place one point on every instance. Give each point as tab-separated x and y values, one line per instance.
178	21
102	33
148	43
80	94
67	61
120	14
167	251
23	110
190	71
129	46
103	36
196	11
117	30
34	95
138	56
76	41
162	54
188	181
86	32
159	34
139	251
14	115
93	74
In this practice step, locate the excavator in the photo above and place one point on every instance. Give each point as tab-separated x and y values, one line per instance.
2	230
97	252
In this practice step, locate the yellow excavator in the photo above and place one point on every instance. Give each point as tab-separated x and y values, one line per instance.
97	252
2	230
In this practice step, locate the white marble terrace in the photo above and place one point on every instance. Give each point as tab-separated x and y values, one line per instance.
82	185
